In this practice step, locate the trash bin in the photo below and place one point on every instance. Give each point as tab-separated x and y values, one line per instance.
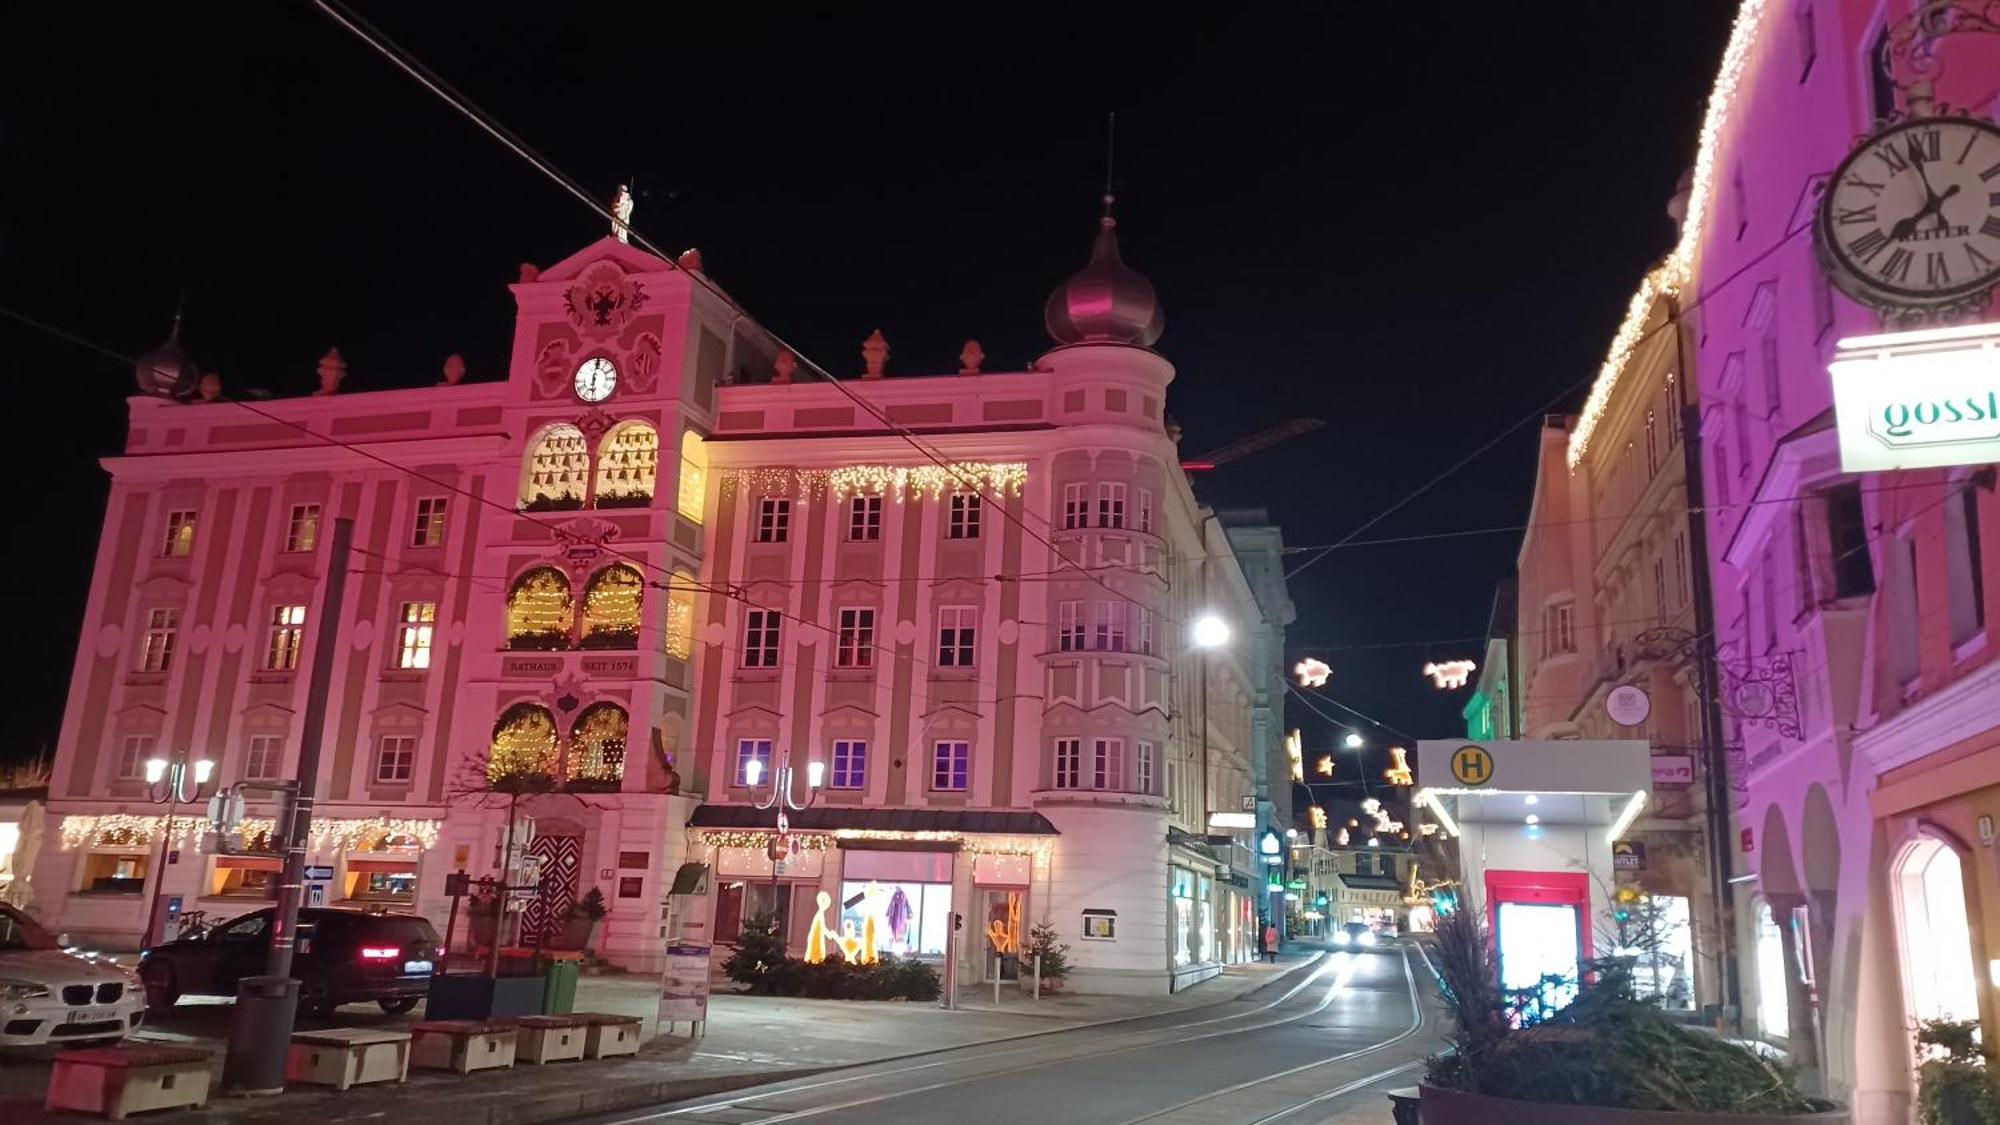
559	991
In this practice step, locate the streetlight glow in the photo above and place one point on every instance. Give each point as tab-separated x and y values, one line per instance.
1210	631
202	770
156	768
753	771
815	773
1353	740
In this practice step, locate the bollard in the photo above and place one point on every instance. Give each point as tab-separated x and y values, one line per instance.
996	982
1038	976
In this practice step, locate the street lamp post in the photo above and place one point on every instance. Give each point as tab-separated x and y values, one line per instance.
172	782
780	797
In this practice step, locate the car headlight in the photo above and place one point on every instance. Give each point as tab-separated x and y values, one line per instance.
1368	937
1340	937
22	990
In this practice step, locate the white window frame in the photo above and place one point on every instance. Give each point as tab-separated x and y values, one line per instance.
1561	639
854	641
395	759
1965	588
1111	503
416	629
762	633
133	750
1144	629
1072	632
848	764
263	757
429	527
864	519
1075	506
163	626
964	516
1068	764
951	764
1142	766
774	519
1145	504
286	639
183	524
748	749
957	636
1107	763
1110	629
302	528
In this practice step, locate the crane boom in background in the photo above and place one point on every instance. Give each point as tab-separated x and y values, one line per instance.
1243	447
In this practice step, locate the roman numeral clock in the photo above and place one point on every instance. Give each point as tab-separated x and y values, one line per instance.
1910	223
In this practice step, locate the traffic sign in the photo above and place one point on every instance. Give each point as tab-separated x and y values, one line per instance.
319	871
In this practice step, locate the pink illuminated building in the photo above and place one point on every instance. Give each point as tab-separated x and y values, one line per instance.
1859	692
653	565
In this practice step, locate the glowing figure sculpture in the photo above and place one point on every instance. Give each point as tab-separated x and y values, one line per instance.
1311	672
1451	674
1399	774
816	937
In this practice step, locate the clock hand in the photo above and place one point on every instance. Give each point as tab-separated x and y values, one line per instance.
1904	228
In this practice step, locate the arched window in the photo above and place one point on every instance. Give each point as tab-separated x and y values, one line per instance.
680	615
555	474
526	748
597	748
694	476
628	463
1937	936
540	611
611	608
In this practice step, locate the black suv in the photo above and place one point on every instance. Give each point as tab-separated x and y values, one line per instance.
342	957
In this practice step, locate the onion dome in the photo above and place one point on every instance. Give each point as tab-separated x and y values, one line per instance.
167	371
1107	302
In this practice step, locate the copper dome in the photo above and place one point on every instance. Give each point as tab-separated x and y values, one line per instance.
1107	301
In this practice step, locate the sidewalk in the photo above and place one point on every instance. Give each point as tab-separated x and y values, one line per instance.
750	1041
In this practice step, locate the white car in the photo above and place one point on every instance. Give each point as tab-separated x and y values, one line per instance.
51	996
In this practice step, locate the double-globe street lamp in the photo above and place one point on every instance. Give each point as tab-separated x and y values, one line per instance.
781	798
172	782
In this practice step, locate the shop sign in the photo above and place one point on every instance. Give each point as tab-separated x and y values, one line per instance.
1628	855
1673	769
631	886
1628	705
1924	399
529	667
684	984
1100	925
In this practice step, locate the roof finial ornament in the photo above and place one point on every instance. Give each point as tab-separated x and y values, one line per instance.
970	358
1110	162
621	214
1107	301
874	354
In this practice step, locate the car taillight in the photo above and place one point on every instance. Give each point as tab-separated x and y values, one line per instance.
379	953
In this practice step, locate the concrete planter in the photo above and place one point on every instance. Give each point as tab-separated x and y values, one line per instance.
1455	1107
478	997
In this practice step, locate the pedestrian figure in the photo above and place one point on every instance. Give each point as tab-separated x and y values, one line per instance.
1271	943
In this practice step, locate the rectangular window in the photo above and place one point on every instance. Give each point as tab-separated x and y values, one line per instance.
1904	654
1966	587
850	764
1722	477
1145	499
162	626
750	750
415	625
1069	762
774	519
760	638
1681	569
1652	445
956	636
1069	626
1108	763
1660	587
395	758
1110	635
950	762
1774	382
855	645
1770	579
1562	628
864	519
1144	620
964	516
179	542
429	528
288	635
1742	413
1847	539
264	757
1142	767
132	755
1670	411
302	529
1076	506
1110	504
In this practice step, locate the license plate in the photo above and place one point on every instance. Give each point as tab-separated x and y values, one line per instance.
416	966
91	1015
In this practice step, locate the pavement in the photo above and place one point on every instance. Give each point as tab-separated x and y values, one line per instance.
748	1041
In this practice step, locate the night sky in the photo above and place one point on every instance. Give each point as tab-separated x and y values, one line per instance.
1416	222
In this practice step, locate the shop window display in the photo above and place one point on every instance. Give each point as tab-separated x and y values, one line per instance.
906	919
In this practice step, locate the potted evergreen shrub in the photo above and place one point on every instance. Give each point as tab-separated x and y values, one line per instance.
1955	1086
581	925
1607	1058
1054	955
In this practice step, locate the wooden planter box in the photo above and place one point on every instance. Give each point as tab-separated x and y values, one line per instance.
348	1056
609	1036
547	1039
116	1081
462	1045
464	997
1456	1107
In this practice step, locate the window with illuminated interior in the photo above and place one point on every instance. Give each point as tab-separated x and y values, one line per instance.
611	608
1936	950
680	615
555	474
628	464
694	476
540	611
525	745
597	748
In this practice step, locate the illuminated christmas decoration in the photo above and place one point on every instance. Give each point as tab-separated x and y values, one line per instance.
817	935
540	611
556	474
1318	816
760	840
1324	766
1452	674
331	834
611	608
898	482
1295	750
628	465
1342	838
1311	672
693	489
1371	805
525	744
597	744
1399	773
1672	275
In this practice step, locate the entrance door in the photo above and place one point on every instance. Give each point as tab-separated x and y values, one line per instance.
561	871
1001	911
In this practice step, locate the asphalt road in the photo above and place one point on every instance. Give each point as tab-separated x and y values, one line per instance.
1317	1046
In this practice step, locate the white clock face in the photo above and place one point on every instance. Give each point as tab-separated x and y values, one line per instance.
1913	215
596	379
